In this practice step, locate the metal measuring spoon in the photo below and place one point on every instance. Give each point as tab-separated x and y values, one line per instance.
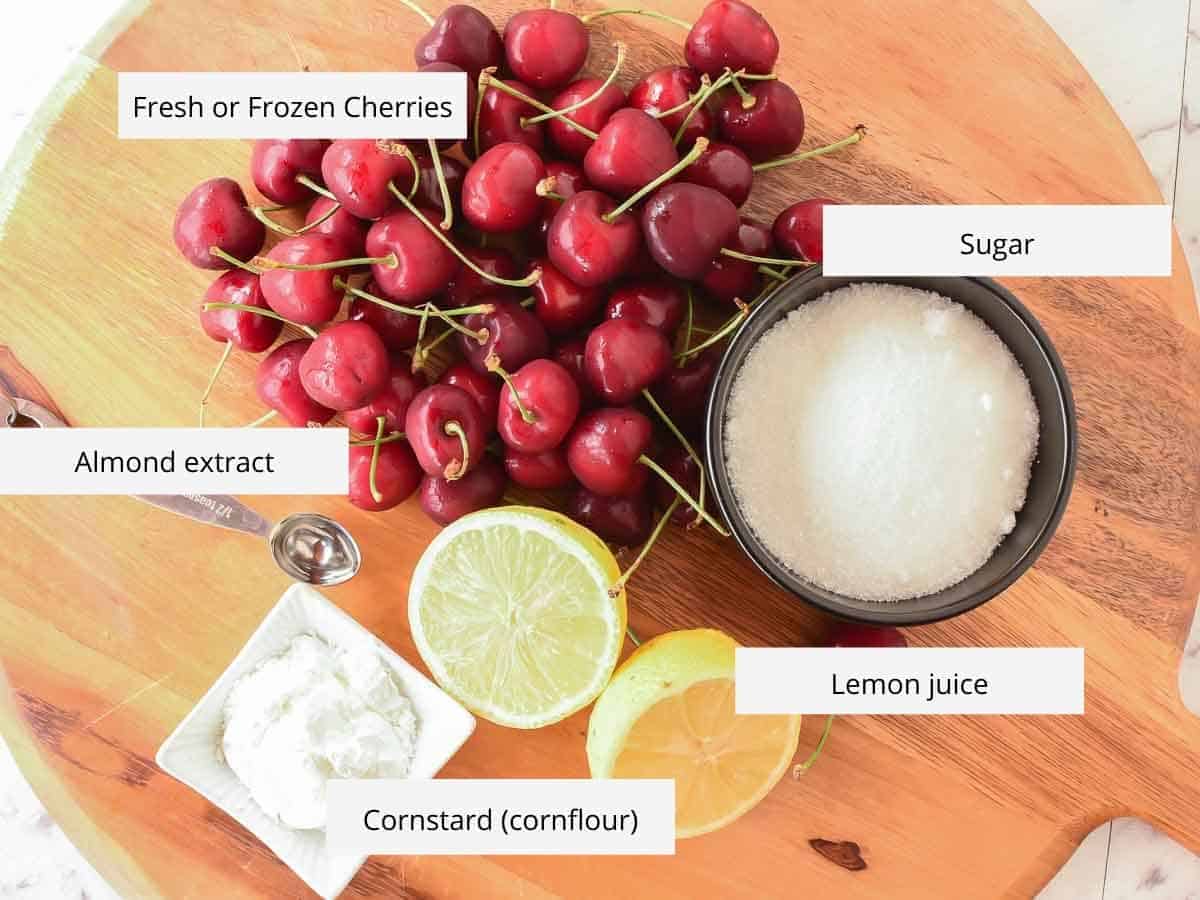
308	547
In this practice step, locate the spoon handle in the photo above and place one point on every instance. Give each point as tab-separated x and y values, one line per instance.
212	509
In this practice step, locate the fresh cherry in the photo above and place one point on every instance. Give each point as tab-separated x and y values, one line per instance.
624	520
514	336
683	468
346	366
800	229
656	302
397	330
483	388
728	278
349	230
587	249
731	34
358	172
214	214
305	297
568	180
424	266
391	402
545	47
275	165
686	225
683	391
667	88
773	126
397	475
468	287
725	168
561	304
463	36
538	405
605	448
429	192
501	119
538	471
623	357
445	500
631	150
246	331
849	634
571	142
445	429
570	355
277	384
499	193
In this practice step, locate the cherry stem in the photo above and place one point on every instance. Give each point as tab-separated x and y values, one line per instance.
771	273
766	260
421	354
690	157
619	584
213	379
420	12
620	61
493	365
634	11
260	213
390	261
380	423
701	98
486	80
800	768
265	417
692	98
456	469
259	311
531	279
721	333
315	187
860	132
678	488
481	87
342	285
687	445
216	251
395	148
386	439
447	206
545	188
478	335
748	99
689	321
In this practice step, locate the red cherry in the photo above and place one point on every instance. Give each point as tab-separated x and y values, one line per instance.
349	230
246	331
683	391
429	192
587	249
397	475
604	447
275	164
305	297
569	180
499	193
483	388
215	214
464	37
440	420
571	142
391	402
570	355
277	384
468	287
446	501
622	357
543	471
618	520
548	395
680	466
665	89
773	126
561	304
514	336
424	266
728	278
731	34
800	229
656	302
545	47
631	150
724	168
346	366
685	226
849	634
357	172
397	330
501	115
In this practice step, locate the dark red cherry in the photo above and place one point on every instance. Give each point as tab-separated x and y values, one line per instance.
391	402
683	391
624	520
358	172
429	193
464	37
569	180
543	471
514	336
246	331
346	366
397	330
306	297
724	168
604	447
446	501
570	355
569	141
545	47
728	278
397	476
275	164
685	226
631	150
549	396
499	193
656	302
561	304
849	634
350	231
799	230
277	384
440	420
214	214
665	89
587	249
624	356
467	286
501	115
483	388
773	126
731	34
680	466
424	266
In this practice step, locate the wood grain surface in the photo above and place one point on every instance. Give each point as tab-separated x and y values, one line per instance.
115	617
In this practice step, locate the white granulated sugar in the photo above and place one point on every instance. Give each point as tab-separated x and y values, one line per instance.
879	441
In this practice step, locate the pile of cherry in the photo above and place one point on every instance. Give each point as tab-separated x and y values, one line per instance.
561	247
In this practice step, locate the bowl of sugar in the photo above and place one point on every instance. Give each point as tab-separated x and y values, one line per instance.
894	451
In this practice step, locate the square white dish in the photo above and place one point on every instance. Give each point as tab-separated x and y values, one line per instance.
192	755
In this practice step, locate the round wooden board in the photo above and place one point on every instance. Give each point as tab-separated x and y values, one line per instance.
115	617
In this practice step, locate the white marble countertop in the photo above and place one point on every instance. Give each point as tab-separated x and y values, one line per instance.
1144	54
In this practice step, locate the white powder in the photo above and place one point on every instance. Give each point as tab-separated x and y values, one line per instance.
312	713
879	441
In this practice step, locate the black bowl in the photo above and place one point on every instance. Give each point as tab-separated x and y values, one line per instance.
1049	484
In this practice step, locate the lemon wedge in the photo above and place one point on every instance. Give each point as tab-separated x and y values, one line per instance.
510	609
668	713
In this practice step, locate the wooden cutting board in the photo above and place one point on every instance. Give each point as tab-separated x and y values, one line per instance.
115	617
